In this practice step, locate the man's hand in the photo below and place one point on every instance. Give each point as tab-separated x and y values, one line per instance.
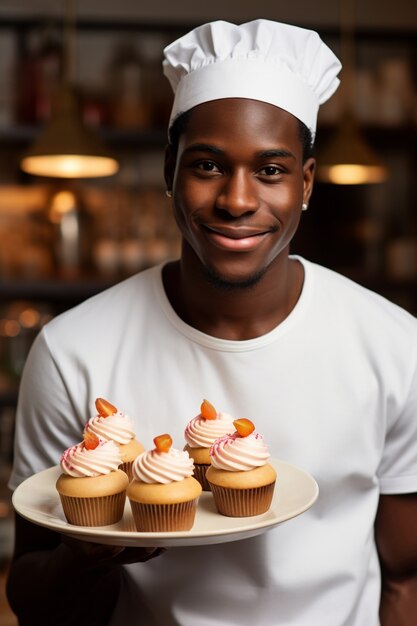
63	569
96	553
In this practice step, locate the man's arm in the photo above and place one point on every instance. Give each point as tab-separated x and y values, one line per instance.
56	581
396	540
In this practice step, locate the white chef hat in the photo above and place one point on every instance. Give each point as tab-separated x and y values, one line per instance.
287	66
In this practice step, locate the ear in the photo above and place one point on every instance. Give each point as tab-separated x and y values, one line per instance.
309	169
169	166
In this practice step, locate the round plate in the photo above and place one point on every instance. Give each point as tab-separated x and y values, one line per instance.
37	500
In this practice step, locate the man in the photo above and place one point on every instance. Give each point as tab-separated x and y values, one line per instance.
326	369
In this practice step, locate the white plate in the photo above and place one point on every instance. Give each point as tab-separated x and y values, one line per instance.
37	500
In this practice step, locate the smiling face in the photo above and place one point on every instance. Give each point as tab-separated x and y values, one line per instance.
239	182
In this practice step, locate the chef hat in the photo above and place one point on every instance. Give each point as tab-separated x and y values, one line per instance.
287	66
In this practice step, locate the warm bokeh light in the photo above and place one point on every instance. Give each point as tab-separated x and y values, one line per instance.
70	166
352	174
9	328
29	318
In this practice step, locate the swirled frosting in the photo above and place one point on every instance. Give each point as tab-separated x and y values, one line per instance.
201	433
79	462
117	427
235	453
162	467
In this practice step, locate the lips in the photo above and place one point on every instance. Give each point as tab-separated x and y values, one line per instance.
237	238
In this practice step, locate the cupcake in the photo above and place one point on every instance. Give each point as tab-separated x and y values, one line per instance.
200	433
111	424
91	487
241	479
163	493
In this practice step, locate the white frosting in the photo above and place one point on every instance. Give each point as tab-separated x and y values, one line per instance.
117	427
235	453
79	462
162	467
201	432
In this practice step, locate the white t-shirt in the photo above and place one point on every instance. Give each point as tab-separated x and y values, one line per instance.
333	389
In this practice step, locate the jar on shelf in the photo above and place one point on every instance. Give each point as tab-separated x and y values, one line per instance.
39	75
128	105
71	224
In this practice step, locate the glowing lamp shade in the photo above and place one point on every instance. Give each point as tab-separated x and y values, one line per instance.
66	148
348	160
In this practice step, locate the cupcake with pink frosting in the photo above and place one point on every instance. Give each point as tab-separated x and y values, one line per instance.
111	424
91	488
163	493
241	479
200	433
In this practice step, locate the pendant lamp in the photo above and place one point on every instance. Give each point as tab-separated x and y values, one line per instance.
347	159
66	148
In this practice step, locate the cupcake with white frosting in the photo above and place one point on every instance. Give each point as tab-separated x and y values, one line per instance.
111	424
200	434
241	479
91	488
163	493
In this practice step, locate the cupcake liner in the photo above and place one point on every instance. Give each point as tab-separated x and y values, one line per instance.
242	502
100	511
127	468
163	517
200	475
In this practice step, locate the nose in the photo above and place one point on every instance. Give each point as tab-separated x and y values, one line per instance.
238	195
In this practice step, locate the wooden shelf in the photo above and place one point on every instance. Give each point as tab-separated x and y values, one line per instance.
52	290
23	134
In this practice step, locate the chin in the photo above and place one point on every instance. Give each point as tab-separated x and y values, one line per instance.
231	282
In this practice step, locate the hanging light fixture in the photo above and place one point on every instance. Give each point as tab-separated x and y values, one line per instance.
66	148
347	159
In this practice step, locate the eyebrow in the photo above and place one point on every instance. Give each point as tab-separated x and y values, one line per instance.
204	147
264	154
280	153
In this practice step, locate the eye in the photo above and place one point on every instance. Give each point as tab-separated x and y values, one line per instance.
207	166
270	170
270	173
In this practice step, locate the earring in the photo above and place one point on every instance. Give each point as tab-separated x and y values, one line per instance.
304	206
168	193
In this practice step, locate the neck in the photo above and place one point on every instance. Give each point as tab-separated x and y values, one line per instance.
235	313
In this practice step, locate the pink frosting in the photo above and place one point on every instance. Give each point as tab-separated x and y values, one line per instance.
117	427
235	453
201	433
79	462
162	467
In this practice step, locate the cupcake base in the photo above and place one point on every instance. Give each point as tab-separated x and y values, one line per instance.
93	500
163	517
200	475
167	507
94	511
242	502
129	452
242	493
127	469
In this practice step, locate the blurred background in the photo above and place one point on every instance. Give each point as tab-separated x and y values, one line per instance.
85	77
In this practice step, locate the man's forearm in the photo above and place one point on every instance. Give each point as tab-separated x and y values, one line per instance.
58	588
399	602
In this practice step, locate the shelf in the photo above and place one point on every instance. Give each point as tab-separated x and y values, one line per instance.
52	290
25	134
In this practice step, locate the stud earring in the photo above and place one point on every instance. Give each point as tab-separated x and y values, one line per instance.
168	193
304	206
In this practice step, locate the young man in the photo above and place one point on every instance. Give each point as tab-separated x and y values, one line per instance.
326	369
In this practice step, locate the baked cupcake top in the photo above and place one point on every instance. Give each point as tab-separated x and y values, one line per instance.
110	424
243	450
91	457
207	426
164	464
